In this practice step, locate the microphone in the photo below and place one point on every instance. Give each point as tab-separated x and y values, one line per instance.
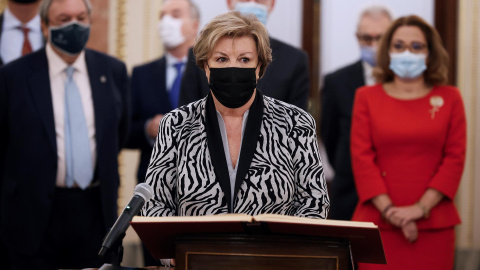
143	192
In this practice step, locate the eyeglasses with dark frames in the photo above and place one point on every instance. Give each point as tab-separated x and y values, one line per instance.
368	39
414	47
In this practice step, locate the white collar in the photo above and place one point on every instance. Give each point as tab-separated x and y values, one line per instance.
11	22
56	65
367	67
172	60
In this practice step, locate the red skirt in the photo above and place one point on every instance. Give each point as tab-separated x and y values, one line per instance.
434	249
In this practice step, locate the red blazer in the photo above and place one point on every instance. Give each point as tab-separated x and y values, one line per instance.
403	147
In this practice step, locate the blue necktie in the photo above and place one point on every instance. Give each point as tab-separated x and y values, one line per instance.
175	91
77	145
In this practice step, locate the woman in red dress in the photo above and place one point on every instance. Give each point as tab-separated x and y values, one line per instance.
408	149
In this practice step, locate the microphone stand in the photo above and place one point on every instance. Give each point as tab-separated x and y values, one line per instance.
112	243
116	255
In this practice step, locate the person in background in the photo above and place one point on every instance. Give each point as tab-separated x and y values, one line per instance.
336	111
20	31
286	79
20	34
408	144
156	85
64	116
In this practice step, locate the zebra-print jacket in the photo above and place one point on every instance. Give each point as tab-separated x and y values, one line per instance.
279	169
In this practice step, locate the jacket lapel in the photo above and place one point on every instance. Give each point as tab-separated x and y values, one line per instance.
357	77
159	80
217	153
100	95
214	143
249	140
1	28
39	85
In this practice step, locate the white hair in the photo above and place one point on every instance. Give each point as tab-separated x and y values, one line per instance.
375	11
194	11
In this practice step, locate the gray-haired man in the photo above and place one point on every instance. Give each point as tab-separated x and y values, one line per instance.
63	116
337	102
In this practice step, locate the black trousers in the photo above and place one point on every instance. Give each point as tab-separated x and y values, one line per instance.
74	235
4	256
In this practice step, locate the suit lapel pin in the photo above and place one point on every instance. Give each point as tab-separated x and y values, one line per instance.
103	79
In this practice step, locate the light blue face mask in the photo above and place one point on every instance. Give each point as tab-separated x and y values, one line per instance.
259	10
407	65
369	55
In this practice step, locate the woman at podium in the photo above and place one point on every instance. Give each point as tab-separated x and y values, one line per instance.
236	150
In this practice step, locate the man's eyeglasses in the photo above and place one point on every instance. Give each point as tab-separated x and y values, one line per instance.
368	39
414	47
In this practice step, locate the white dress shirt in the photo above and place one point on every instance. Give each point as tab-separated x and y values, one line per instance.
11	40
58	77
171	70
368	73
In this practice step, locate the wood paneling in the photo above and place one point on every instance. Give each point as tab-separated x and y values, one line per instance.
446	23
311	44
99	31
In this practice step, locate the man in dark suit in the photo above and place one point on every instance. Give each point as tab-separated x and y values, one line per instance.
156	85
337	102
20	31
20	34
286	79
63	116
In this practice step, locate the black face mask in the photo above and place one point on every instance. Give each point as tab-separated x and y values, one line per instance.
69	38
24	1
233	87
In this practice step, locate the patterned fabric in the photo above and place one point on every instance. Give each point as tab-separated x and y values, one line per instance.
285	175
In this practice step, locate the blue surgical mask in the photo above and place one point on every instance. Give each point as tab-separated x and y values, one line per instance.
407	65
369	55
259	10
69	38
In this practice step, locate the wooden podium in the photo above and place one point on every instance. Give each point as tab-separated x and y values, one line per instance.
236	241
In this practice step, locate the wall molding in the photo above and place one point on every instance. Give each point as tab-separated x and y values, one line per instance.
3	5
468	76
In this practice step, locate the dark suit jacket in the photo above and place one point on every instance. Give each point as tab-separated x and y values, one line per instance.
285	79
149	97
28	142
1	29
337	103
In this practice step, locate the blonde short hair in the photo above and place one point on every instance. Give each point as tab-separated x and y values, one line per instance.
233	24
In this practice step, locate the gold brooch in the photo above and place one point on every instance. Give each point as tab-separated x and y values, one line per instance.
436	102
